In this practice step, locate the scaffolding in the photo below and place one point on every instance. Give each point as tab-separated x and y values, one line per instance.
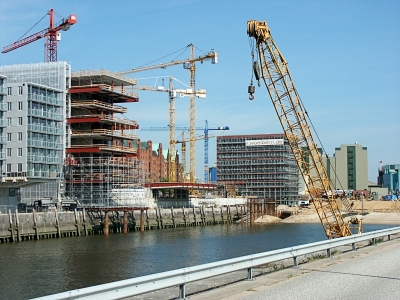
261	166
92	181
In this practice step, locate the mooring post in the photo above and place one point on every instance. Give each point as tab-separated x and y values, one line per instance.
142	220
35	227
125	221
213	214
106	223
328	252
227	215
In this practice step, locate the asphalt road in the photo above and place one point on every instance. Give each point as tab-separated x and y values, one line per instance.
372	272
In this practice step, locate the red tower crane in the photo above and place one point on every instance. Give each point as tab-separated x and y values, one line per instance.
51	33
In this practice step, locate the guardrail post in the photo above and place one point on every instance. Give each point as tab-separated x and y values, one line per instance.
182	291
328	252
249	273
295	262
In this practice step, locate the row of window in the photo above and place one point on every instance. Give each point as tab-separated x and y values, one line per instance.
9	105
10	121
9	137
10	90
9	168
9	152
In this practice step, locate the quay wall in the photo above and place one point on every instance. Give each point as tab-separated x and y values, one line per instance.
57	224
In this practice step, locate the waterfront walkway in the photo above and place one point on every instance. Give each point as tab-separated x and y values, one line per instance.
371	272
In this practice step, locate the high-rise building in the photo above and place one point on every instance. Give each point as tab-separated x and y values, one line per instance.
34	129
391	178
348	168
260	165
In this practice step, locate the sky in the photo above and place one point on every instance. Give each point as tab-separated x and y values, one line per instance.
343	57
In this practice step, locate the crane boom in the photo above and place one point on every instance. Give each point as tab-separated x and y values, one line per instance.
50	33
292	116
210	55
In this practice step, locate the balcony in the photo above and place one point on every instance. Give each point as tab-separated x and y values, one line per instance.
99	104
101	133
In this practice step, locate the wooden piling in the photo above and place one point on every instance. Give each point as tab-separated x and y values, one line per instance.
106	223
78	233
11	226
142	220
35	226
58	225
125	222
84	222
17	226
172	217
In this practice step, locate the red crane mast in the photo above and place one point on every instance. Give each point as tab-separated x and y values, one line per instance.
51	33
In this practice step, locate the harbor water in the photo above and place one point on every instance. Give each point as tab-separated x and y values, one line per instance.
37	268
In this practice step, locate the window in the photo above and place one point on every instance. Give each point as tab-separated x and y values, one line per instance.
9	90
19	151
8	137
8	168
19	121
19	136
19	167
9	106
9	121
8	152
20	105
20	90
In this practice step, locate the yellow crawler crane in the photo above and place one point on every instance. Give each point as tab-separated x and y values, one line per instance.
271	67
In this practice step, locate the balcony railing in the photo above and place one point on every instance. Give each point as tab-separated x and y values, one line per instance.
46	99
114	133
45	114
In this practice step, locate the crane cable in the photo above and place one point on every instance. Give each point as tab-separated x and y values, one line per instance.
33	26
182	49
251	88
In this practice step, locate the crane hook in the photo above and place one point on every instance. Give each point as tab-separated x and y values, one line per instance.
251	91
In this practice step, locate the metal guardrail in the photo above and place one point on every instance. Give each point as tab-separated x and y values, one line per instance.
180	277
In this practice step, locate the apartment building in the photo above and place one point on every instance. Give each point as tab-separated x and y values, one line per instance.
34	110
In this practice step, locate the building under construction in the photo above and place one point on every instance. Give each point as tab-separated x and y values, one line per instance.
102	153
259	165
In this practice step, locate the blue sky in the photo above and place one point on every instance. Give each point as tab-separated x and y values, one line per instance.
343	57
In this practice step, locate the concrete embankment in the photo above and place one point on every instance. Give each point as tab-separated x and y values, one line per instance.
56	224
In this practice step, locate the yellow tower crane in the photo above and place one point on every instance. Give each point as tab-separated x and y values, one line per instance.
172	116
190	65
272	68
